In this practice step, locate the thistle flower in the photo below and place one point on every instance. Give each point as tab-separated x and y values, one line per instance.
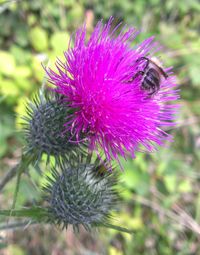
101	79
44	129
78	195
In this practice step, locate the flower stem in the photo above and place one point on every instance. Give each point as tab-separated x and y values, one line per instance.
26	160
8	176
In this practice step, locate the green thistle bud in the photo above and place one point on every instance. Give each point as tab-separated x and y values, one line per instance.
45	130
80	196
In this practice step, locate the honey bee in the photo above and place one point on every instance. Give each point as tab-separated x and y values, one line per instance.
151	76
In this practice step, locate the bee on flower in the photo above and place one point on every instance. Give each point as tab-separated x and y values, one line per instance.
120	98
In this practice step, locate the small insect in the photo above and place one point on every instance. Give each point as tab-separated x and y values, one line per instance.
152	75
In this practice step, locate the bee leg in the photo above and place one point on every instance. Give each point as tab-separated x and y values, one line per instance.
147	62
135	76
165	75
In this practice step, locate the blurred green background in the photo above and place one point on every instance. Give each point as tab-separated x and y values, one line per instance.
161	199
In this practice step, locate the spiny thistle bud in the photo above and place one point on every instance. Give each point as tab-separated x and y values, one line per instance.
81	195
44	128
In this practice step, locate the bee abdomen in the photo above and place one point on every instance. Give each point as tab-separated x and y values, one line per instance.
151	81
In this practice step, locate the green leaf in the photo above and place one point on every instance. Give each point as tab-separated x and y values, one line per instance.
118	228
9	88
21	35
75	14
7	63
185	186
170	182
38	39
18	52
59	41
137	180
22	72
194	74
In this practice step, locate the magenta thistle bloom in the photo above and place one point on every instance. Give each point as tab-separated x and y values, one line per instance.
103	79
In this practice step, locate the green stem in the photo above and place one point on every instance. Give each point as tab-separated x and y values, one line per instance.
34	213
13	171
26	160
8	176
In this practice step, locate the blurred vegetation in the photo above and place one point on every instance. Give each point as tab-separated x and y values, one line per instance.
161	199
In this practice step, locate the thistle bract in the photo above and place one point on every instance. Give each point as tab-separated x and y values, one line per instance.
99	79
78	195
44	129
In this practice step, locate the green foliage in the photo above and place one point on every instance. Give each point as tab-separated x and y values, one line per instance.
155	186
6	131
38	39
56	40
